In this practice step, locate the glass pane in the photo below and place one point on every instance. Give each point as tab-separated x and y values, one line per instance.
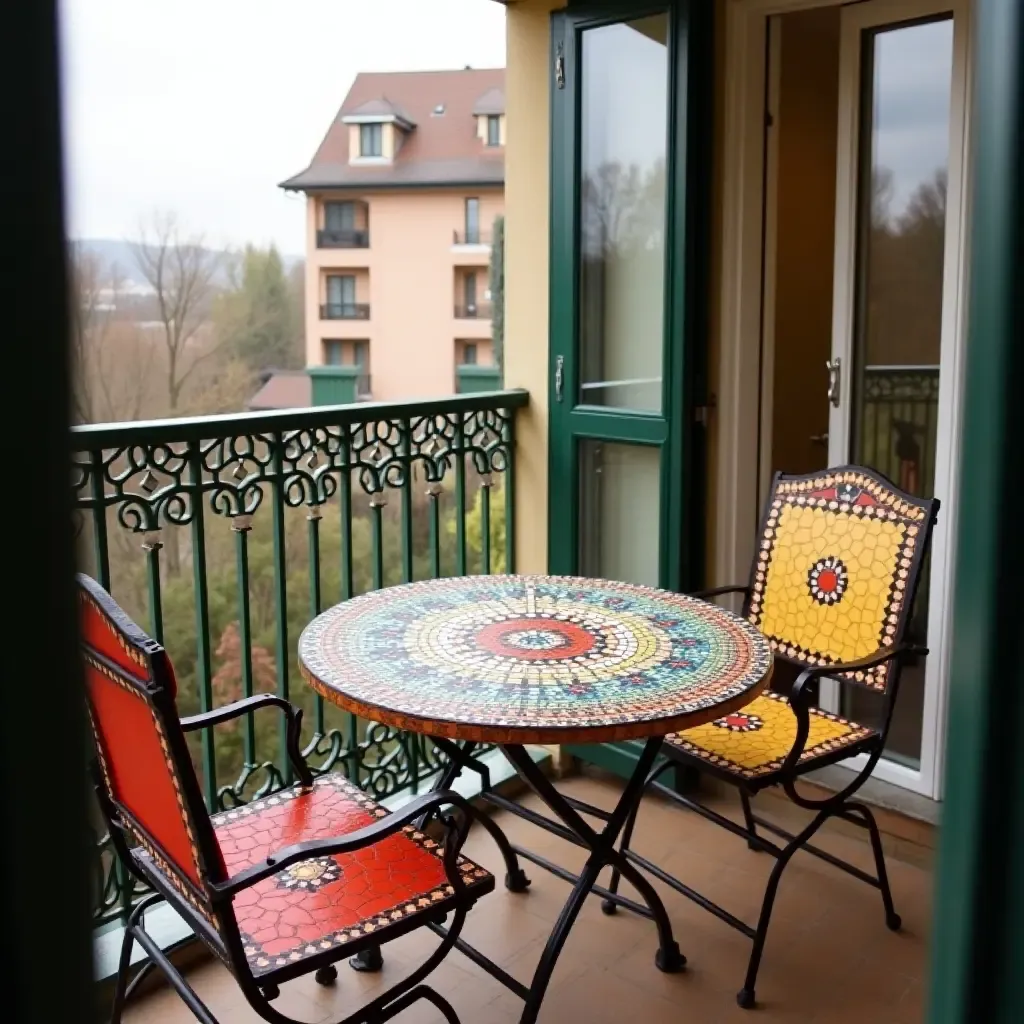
623	132
907	72
472	221
619	511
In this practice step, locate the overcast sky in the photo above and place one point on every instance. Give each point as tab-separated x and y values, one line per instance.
203	106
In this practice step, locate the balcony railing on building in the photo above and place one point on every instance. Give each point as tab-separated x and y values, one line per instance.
473	311
345	311
899	425
225	535
471	238
342	238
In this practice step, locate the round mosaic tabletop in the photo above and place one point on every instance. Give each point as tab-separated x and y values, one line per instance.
534	659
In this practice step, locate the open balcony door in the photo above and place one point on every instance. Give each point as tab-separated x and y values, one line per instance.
896	366
631	101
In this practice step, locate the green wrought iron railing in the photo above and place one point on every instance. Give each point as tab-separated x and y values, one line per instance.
226	534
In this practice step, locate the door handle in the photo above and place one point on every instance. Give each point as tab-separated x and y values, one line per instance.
821	439
835	380
559	376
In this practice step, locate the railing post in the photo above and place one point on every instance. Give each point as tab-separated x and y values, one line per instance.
204	673
280	595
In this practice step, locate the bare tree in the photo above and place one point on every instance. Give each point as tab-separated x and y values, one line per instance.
111	359
87	319
181	271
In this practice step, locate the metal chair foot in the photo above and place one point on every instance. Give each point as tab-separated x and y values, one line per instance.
326	975
516	881
368	962
609	907
893	922
669	959
745	999
270	992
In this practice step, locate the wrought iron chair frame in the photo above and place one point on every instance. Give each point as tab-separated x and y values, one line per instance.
226	943
838	805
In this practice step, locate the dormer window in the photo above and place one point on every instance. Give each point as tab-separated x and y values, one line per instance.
493	130
377	129
370	140
489	112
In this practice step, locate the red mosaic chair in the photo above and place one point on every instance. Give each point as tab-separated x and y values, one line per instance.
281	887
832	587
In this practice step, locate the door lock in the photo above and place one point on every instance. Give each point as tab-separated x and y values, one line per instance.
835	380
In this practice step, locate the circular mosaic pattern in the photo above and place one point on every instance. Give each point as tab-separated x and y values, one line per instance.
309	875
827	580
532	659
740	721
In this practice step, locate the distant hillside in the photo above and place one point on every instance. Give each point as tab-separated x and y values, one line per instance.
117	252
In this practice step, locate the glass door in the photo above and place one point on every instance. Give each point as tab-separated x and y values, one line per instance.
894	365
622	473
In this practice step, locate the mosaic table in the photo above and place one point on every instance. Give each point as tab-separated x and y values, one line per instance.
516	660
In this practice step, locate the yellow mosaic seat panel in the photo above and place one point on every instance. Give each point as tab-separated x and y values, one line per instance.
754	742
835	569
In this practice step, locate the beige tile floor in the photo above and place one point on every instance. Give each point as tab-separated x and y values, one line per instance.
829	957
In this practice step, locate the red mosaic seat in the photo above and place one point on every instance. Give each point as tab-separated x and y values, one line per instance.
280	887
330	902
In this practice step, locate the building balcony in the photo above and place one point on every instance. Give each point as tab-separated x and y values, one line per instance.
471	238
345	311
471	378
473	311
339	385
343	239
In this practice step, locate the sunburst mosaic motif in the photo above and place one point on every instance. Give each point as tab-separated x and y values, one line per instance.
533	651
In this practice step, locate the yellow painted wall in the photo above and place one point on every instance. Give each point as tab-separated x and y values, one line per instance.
527	83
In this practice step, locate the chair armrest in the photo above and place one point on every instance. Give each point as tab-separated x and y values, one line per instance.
734	588
237	708
358	840
254	703
799	697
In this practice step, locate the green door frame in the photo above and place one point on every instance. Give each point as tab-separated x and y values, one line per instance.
675	431
978	933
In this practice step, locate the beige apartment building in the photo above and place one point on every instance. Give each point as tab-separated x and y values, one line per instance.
401	200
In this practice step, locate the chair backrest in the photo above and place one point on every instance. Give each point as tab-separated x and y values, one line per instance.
837	568
149	782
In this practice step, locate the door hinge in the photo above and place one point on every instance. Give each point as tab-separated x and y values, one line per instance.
560	67
559	376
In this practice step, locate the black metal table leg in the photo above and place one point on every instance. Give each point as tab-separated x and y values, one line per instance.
602	853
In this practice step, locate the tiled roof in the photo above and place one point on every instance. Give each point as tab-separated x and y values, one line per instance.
284	389
442	149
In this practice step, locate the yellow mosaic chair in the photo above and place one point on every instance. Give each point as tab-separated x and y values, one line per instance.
832	587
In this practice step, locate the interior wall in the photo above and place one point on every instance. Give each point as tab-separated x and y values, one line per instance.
807	124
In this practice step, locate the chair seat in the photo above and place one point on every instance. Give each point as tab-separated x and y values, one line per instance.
752	744
329	903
